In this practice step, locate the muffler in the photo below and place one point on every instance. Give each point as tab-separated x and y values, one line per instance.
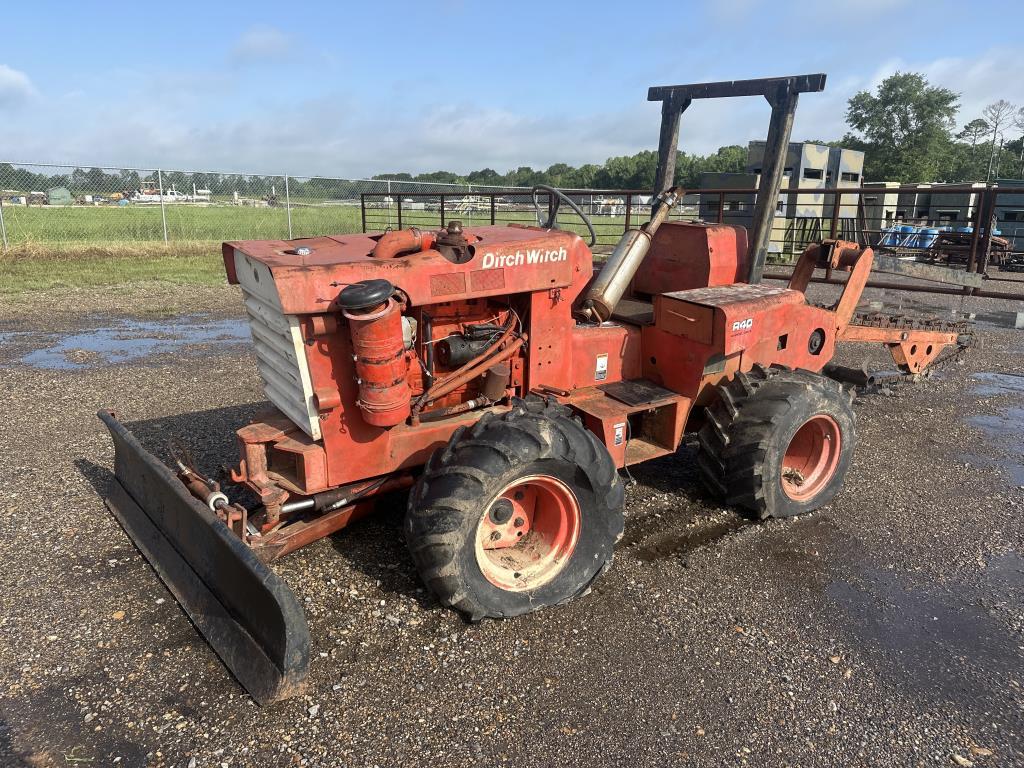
248	615
608	288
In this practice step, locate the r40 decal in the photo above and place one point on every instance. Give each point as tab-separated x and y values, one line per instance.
743	325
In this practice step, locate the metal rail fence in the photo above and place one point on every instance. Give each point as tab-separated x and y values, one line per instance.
610	211
948	228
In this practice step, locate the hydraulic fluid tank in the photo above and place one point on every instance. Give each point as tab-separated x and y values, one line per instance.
375	324
687	255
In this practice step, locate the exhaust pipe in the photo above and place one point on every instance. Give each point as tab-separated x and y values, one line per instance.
859	377
611	283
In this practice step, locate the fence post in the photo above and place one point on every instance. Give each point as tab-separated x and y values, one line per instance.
975	234
163	211
442	211
833	230
399	211
629	211
988	204
288	205
493	195
362	208
862	222
3	227
390	201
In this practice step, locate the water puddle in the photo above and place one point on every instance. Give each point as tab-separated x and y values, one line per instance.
1005	429
122	341
996	319
941	640
993	384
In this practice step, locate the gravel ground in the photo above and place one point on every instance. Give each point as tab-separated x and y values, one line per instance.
887	629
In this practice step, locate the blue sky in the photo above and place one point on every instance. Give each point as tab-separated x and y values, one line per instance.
352	89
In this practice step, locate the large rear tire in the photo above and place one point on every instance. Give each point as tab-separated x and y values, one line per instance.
518	512
777	442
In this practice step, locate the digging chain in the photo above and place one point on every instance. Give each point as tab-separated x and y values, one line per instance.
964	329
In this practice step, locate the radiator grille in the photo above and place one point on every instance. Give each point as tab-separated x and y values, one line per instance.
280	353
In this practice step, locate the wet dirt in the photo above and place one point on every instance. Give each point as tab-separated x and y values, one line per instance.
709	642
119	341
933	637
998	425
1008	568
1005	428
678	544
993	384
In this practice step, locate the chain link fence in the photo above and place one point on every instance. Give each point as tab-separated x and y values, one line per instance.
76	206
72	205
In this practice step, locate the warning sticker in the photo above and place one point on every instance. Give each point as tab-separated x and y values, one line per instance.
601	369
620	433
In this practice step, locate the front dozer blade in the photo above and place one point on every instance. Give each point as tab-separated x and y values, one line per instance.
247	614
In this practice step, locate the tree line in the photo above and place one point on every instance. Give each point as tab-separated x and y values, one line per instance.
908	130
624	172
627	172
100	181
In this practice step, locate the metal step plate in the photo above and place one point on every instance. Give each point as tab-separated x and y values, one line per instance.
638	392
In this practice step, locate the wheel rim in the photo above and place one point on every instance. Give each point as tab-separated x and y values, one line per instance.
811	458
528	533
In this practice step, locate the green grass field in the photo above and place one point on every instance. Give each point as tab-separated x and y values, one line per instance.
137	223
29	269
53	247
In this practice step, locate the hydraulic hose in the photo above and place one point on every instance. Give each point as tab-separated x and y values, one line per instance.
467	374
464	375
431	394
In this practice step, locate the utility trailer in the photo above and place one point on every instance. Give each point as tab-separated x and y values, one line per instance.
495	377
955	248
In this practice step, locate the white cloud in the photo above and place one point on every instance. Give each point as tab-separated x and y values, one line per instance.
340	134
15	86
980	81
260	43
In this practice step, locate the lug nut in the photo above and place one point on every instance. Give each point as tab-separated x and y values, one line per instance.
501	512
